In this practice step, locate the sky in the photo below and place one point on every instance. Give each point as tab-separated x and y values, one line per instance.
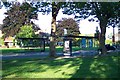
44	22
85	26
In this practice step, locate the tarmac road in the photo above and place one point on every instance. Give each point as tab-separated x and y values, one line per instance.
82	53
45	54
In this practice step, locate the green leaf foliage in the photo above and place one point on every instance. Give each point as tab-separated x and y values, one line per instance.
17	16
70	24
26	31
67	23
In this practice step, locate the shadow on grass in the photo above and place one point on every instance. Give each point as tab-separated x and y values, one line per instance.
88	67
20	67
101	67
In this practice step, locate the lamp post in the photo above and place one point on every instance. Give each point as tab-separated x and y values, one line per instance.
113	37
97	34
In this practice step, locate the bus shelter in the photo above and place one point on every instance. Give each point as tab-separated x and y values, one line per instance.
32	43
68	42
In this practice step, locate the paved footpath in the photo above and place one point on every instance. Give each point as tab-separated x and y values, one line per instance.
46	54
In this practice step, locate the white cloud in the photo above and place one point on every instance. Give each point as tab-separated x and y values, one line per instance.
44	22
61	15
2	16
87	27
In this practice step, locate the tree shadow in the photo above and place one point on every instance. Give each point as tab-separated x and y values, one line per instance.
83	70
87	67
19	66
100	67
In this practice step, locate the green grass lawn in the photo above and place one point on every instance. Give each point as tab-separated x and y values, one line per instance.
20	50
86	67
23	50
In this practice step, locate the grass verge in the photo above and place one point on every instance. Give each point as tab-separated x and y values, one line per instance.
87	67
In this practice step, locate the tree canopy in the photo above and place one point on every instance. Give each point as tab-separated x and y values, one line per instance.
17	16
108	13
67	23
26	31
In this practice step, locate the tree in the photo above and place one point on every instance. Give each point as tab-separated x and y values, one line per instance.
106	16
55	7
68	9
26	31
17	16
47	7
107	13
70	24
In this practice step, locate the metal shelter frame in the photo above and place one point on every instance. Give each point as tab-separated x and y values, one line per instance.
70	37
31	39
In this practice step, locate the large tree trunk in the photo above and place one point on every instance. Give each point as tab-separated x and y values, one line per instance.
52	47
52	38
103	24
55	10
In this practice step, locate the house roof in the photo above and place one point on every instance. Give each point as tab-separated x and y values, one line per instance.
9	39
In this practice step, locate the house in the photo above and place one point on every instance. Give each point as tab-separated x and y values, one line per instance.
8	41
